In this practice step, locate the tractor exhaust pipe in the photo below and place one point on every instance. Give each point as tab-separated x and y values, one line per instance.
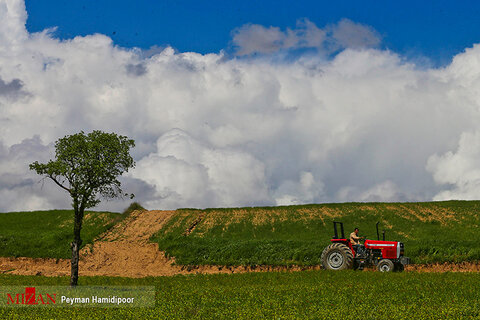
341	229
383	233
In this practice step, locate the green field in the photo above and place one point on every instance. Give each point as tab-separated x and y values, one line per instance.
278	295
47	234
432	232
292	235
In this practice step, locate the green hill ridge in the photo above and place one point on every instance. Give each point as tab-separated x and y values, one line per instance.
288	235
296	235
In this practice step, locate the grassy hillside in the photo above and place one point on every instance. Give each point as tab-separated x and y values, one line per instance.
432	232
47	234
276	295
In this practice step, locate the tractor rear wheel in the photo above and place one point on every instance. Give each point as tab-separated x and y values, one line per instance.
385	265
337	256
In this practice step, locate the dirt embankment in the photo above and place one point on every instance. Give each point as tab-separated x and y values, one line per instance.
125	251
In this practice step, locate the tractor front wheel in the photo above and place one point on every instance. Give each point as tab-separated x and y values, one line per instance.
337	256
385	265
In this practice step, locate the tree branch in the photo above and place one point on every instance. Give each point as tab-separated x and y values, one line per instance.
59	184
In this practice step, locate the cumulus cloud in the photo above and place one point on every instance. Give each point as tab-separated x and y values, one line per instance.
11	90
254	38
13	16
187	172
384	191
460	169
20	189
348	34
363	124
306	190
136	69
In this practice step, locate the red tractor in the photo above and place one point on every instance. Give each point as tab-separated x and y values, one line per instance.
387	256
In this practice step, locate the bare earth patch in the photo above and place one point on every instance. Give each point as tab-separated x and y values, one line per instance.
445	267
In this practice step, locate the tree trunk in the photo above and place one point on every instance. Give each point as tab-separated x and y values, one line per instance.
76	243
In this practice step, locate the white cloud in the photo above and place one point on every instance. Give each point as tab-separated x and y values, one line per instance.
214	131
23	190
252	38
306	190
255	38
385	191
12	17
348	34
460	169
187	172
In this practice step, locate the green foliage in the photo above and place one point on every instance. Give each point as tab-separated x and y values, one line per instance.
134	206
88	165
277	295
432	232
47	234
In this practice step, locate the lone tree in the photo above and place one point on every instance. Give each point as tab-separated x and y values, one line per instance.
87	166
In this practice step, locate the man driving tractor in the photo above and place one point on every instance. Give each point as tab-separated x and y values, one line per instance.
355	241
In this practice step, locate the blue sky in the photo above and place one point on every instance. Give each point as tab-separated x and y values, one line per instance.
434	29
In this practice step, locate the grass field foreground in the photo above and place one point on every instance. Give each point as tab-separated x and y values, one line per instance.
279	295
